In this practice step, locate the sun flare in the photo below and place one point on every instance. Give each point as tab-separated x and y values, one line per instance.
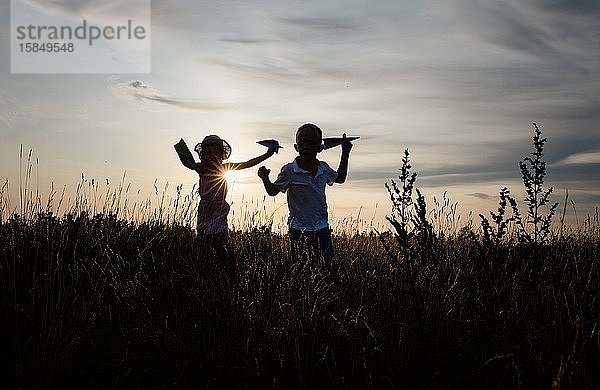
232	177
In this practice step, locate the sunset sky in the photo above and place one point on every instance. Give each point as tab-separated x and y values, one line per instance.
457	82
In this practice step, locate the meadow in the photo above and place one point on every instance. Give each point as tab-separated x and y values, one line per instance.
111	295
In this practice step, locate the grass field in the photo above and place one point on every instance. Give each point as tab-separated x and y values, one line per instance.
93	299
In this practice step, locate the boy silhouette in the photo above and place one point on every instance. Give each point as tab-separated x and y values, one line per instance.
304	181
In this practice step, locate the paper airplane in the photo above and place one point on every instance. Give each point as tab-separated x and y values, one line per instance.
332	142
271	144
182	150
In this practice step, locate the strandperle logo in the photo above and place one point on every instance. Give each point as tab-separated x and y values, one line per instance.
82	32
55	36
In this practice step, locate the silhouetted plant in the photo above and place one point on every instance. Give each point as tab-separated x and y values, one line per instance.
492	235
402	201
409	216
423	229
415	237
533	172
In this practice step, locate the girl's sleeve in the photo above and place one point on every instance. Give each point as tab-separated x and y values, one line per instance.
198	167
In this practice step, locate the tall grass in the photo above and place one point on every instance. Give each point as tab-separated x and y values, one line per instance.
114	294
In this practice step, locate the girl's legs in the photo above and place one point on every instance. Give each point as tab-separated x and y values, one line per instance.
220	243
201	248
212	252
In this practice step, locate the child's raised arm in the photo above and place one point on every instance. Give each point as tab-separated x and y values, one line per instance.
250	163
185	156
343	167
189	163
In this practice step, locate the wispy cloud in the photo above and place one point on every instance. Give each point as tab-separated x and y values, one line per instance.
14	108
152	99
8	108
246	41
557	32
97	9
583	158
481	195
323	24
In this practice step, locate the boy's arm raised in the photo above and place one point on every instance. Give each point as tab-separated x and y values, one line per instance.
263	173
343	167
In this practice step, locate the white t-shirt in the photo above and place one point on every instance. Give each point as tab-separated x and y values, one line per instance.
306	195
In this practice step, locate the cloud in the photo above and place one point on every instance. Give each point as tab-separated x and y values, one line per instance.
8	109
152	99
481	195
324	24
587	157
88	8
570	6
61	7
4	10
246	41
14	108
532	29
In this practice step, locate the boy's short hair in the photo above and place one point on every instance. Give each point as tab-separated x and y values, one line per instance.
312	128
